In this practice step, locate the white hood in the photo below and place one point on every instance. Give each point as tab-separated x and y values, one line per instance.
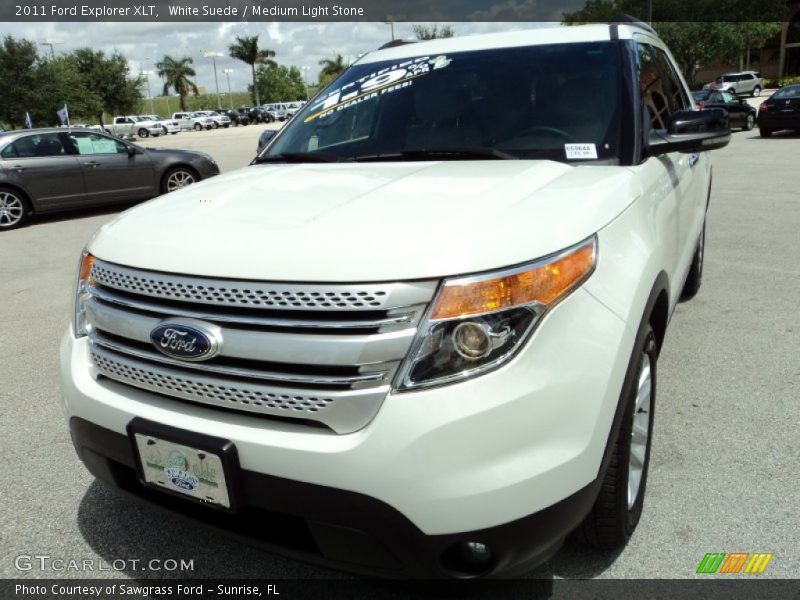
367	221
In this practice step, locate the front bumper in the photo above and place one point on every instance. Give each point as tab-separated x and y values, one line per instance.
510	459
339	528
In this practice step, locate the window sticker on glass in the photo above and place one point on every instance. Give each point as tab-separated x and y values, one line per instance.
580	151
95	145
387	80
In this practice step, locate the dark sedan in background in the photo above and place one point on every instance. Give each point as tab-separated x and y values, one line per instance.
44	170
741	114
236	117
780	111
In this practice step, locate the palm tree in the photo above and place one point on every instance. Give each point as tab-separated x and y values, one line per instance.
176	75
332	67
246	50
423	32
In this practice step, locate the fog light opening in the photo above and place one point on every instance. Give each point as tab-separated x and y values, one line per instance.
469	559
471	340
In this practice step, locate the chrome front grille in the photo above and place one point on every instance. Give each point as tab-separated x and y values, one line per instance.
256	294
329	364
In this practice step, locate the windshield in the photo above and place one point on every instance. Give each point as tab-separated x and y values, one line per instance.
791	91
560	102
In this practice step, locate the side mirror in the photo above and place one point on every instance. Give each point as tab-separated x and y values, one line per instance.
691	131
132	151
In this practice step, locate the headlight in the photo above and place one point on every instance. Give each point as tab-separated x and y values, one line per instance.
477	323
85	283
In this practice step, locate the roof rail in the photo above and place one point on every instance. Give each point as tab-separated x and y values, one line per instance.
394	43
620	18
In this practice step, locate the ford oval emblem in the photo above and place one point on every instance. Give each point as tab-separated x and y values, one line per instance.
186	340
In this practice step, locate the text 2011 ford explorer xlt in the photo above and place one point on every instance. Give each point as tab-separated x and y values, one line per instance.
419	334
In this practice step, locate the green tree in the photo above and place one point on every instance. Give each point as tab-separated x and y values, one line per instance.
19	63
58	83
246	49
425	32
107	78
691	28
280	84
176	73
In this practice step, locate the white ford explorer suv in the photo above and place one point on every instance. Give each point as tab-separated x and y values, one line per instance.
419	335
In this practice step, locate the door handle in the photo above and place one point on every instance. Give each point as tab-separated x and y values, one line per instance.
18	168
693	158
92	163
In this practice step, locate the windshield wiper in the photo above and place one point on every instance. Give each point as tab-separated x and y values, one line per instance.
442	153
297	157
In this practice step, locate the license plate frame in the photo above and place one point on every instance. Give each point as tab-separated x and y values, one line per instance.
214	483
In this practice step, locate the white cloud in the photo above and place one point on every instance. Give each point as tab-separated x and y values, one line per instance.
295	44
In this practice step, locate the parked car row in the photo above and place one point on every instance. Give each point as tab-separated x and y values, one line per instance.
142	126
780	111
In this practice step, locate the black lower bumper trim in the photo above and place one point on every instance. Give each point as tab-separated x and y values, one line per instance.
339	528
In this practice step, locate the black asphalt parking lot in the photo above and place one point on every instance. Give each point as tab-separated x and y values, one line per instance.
723	476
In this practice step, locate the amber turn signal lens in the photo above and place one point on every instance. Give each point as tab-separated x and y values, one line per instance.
544	283
85	274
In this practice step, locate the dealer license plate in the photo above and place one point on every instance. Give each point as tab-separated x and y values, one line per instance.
183	469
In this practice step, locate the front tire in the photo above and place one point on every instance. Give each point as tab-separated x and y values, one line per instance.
618	507
749	122
756	92
197	127
177	178
143	133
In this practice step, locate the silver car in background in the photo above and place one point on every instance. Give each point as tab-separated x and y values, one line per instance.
741	82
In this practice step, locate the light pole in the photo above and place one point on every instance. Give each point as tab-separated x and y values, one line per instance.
228	77
213	56
305	79
149	95
51	44
390	24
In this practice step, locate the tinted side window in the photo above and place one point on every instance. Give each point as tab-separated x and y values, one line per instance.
39	145
680	100
654	96
661	87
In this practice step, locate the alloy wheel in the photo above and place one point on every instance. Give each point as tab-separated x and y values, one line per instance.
640	432
11	209
179	179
